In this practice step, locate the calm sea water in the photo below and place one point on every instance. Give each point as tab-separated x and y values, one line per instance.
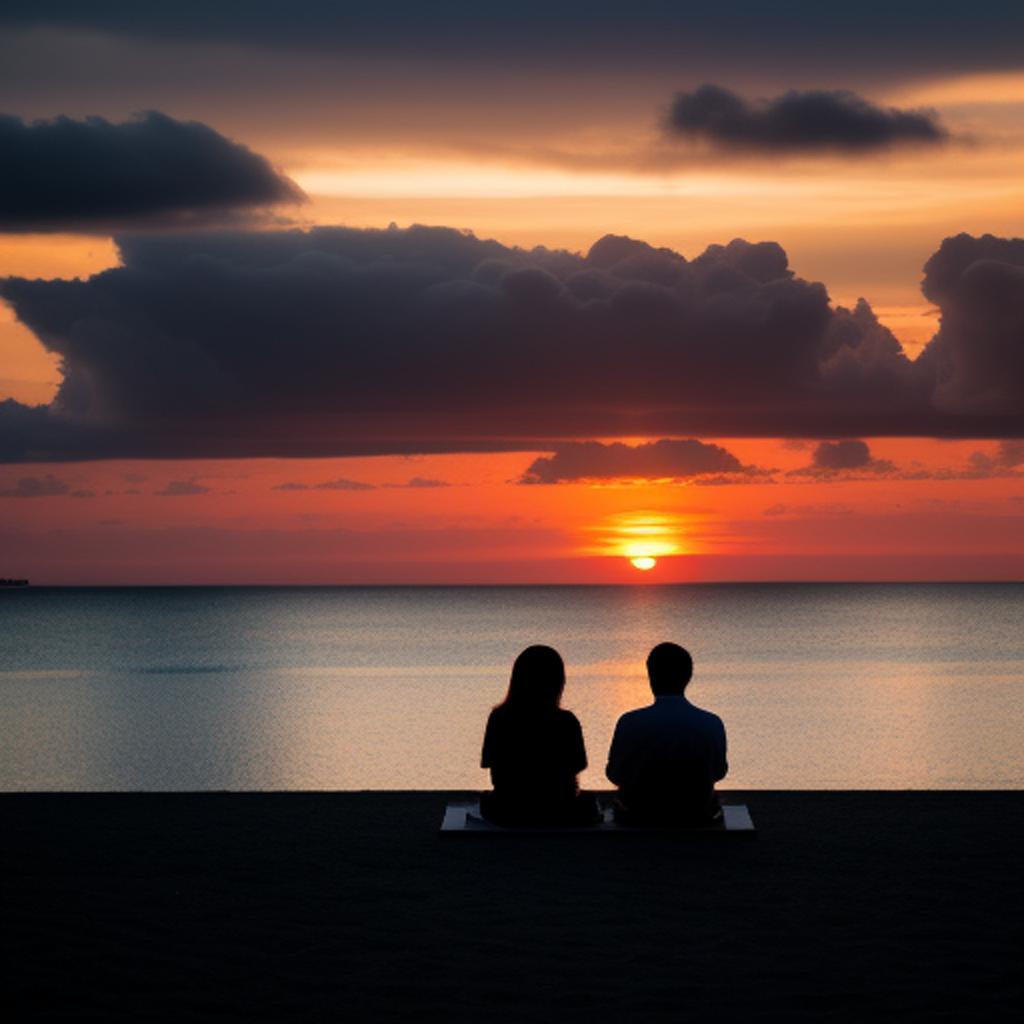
820	686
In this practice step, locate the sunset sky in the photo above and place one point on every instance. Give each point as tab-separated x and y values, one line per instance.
432	294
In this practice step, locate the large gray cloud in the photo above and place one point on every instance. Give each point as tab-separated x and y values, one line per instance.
798	122
338	341
592	460
977	356
93	174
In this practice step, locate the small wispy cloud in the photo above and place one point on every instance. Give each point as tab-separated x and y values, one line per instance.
182	489
341	484
36	487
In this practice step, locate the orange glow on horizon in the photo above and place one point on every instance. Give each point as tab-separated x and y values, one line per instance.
464	519
641	537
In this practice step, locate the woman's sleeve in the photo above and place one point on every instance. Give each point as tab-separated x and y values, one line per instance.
578	748
487	754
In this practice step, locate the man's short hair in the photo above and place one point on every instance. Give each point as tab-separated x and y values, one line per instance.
669	668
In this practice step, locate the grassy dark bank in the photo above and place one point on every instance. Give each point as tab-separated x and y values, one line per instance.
846	906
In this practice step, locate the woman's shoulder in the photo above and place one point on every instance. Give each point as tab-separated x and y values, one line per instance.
503	713
497	713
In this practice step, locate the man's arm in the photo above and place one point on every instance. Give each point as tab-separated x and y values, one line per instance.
721	763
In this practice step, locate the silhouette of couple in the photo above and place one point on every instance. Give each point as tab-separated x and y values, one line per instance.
665	758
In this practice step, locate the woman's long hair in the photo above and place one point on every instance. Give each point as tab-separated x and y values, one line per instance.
537	681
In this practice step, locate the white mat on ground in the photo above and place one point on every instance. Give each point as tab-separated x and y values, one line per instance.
463	816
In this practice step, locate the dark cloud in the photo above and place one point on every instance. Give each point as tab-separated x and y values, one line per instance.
85	493
36	487
977	357
592	460
94	175
841	457
338	341
182	489
798	122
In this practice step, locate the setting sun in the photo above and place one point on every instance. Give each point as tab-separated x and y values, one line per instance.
644	562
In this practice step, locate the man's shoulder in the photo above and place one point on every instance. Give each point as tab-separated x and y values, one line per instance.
675	710
678	711
708	718
635	716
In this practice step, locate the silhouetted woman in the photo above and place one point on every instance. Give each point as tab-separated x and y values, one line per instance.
534	749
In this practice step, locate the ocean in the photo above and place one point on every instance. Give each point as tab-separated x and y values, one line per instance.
821	686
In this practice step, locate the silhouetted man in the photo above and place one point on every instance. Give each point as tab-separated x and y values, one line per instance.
667	757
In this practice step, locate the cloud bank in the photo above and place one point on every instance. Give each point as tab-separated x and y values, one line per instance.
667	458
798	122
338	341
153	170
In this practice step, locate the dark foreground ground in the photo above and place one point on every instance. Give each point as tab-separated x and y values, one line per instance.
349	906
